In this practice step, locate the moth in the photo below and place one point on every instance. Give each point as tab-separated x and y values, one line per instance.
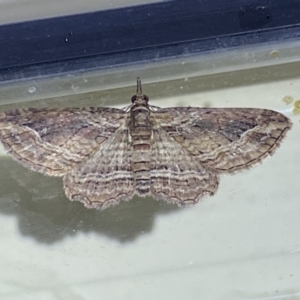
107	155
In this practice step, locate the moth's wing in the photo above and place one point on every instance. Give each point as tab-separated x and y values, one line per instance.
225	139
53	141
175	175
106	178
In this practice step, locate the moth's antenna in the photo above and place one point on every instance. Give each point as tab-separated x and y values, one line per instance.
139	86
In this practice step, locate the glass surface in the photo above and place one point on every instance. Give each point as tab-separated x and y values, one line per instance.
242	243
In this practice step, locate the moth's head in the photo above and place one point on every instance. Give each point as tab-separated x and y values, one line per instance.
139	98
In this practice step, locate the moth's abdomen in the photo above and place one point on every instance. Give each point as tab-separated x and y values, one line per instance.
141	135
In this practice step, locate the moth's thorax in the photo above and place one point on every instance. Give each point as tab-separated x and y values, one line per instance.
140	114
140	125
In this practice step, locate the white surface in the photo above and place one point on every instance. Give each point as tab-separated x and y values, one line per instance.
243	243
